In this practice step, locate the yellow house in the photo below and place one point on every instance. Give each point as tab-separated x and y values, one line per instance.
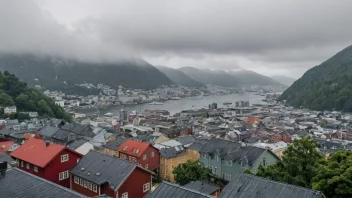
170	158
111	147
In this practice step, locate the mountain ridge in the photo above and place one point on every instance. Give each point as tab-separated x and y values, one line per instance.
179	77
327	86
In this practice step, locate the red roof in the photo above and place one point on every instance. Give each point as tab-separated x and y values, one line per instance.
133	147
5	146
253	120
36	152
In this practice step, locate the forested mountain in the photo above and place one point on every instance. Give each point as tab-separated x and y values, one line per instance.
61	74
248	77
178	77
324	87
218	77
284	80
228	79
15	92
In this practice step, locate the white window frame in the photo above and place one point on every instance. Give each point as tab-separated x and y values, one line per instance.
64	158
95	188
21	163
76	179
204	155
80	181
146	166
227	177
89	185
85	183
63	175
144	156
153	154
35	168
27	166
146	187
124	195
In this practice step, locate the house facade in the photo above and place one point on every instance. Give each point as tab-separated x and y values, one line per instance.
100	174
226	158
141	153
170	158
46	160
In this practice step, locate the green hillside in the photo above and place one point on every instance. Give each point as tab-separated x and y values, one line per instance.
13	92
324	87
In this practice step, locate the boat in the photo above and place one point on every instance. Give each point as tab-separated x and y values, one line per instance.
227	103
156	103
175	98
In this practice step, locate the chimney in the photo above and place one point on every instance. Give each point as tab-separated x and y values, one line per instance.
47	143
3	167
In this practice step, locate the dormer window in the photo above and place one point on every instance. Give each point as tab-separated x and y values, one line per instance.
125	148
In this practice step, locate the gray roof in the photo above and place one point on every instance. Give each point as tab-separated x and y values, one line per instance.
17	183
78	129
249	186
202	187
197	145
115	144
172	152
48	131
62	135
76	144
98	168
186	139
233	151
166	189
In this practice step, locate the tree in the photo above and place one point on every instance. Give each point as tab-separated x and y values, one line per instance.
44	108
6	100
298	165
190	171
23	102
334	177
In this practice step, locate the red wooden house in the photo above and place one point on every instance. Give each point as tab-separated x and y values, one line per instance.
47	160
141	153
100	174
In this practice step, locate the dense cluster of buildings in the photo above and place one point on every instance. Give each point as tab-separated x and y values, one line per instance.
136	158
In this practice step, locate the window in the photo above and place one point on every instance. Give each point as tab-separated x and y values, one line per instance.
204	155
63	175
243	164
27	166
144	157
85	184
146	166
264	161
217	158
184	157
81	181
95	188
125	195
227	177
35	168
178	159
229	163
76	180
21	163
17	162
64	158
195	152
89	186
152	154
146	187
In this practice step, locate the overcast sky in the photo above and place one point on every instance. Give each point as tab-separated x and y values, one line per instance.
271	37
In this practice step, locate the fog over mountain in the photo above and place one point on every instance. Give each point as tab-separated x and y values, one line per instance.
284	80
229	35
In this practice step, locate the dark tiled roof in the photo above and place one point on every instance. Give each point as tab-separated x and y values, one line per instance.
173	152
233	151
62	135
48	131
114	144
184	140
76	144
250	186
166	189
198	145
202	187
17	183
99	168
78	129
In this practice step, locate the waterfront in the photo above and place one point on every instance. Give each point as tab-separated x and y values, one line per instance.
175	106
